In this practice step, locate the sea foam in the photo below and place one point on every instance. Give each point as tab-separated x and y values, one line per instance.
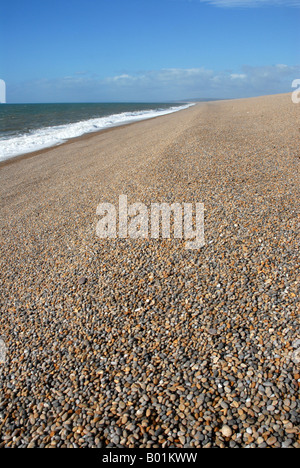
46	137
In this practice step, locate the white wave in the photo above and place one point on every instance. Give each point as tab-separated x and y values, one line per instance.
46	137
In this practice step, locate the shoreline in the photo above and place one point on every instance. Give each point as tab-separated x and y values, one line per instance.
14	159
84	135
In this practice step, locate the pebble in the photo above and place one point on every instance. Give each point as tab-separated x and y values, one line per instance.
271	440
226	431
162	347
82	280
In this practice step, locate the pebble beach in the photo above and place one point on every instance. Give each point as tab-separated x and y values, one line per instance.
141	343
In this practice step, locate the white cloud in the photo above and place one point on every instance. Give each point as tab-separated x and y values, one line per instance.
161	85
238	76
183	83
120	78
251	3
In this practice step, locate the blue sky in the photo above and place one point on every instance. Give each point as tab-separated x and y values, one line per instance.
147	50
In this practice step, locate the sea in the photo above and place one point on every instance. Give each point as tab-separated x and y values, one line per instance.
25	128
